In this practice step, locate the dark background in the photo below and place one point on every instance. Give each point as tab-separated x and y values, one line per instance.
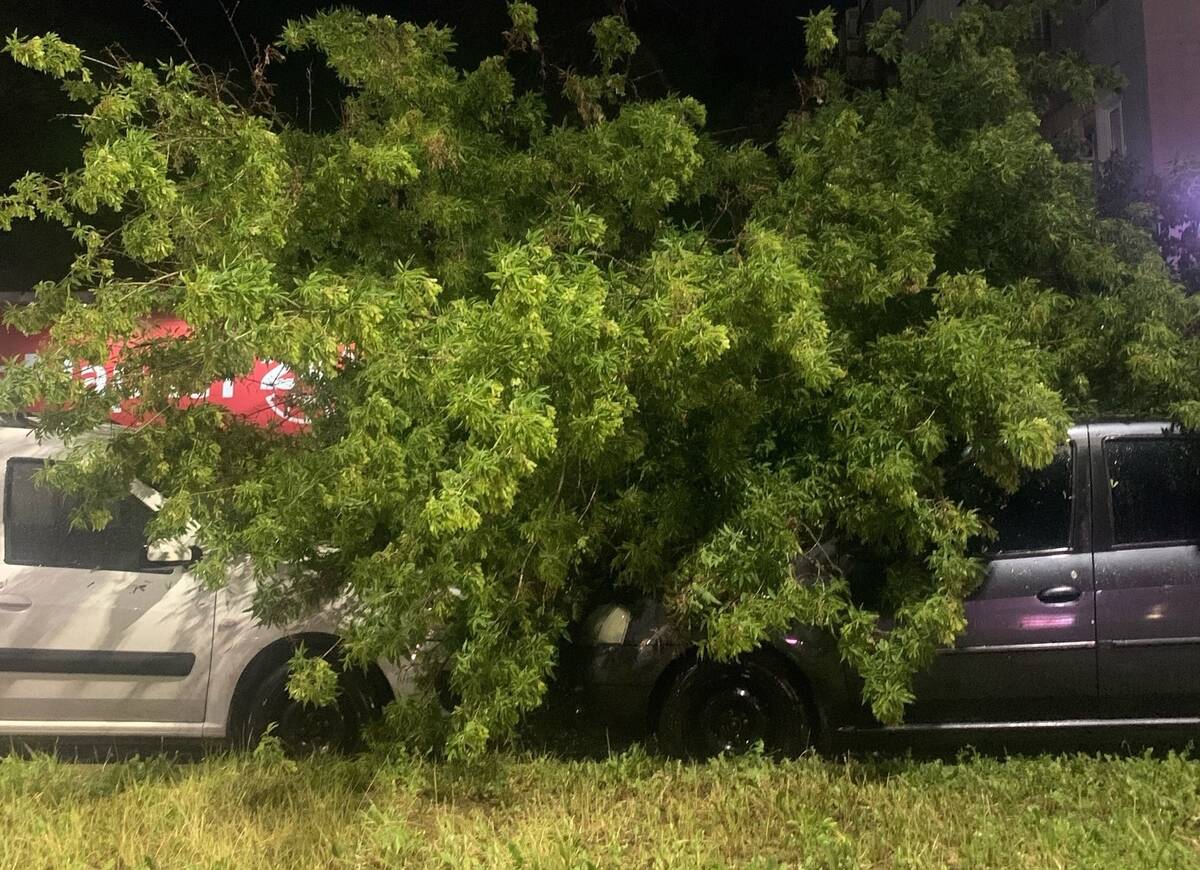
738	58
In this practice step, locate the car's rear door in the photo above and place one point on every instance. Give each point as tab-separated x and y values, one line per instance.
89	633
1029	649
1147	531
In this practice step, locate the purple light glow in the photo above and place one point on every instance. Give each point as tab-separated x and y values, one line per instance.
1039	621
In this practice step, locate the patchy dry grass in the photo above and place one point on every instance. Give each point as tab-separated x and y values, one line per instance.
629	810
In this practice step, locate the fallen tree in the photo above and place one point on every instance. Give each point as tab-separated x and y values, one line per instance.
546	357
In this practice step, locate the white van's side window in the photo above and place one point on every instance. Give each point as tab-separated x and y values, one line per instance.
37	526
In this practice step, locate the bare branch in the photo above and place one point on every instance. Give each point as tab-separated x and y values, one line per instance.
155	6
229	14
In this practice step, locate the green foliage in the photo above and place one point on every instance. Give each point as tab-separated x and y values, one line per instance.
271	756
524	30
820	38
48	54
312	679
615	44
594	354
886	36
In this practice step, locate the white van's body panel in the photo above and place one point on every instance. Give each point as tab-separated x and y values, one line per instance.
138	652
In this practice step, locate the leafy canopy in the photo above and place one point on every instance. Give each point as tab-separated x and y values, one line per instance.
551	359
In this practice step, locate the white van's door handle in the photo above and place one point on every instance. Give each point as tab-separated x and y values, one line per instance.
14	603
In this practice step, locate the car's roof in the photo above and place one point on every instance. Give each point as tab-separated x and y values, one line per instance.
1132	426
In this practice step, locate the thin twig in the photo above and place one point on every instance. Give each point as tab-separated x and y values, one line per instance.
229	14
100	62
310	99
156	7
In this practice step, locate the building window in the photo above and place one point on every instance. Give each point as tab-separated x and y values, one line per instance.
1045	29
1116	131
1110	125
1088	137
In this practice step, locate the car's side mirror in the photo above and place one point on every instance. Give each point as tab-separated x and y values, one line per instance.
169	554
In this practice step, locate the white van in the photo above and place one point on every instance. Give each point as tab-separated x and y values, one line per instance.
102	636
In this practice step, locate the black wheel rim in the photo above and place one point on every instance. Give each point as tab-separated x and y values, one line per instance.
733	716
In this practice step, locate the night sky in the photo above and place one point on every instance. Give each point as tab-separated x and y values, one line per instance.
737	58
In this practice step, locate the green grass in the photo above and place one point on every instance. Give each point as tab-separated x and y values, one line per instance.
629	811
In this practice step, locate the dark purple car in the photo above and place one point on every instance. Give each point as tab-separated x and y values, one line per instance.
1089	618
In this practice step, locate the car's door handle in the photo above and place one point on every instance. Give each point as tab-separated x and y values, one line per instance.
1059	594
14	603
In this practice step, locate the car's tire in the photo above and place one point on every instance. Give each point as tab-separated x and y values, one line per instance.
307	729
728	707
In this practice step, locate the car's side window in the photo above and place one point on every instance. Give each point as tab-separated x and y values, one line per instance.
1037	517
1154	486
37	526
1034	519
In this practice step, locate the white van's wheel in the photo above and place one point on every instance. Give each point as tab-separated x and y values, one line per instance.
305	729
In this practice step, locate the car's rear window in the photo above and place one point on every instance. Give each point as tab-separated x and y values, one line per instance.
1154	484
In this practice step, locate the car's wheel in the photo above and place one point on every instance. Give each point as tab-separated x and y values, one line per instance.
715	708
305	729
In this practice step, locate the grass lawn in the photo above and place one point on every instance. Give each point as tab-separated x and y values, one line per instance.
630	810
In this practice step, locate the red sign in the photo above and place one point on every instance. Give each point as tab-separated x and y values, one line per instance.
260	396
